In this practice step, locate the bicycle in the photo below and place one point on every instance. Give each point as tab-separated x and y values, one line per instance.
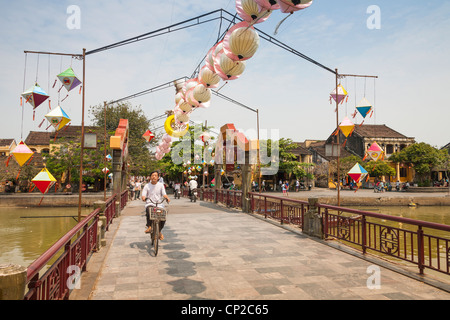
156	214
194	195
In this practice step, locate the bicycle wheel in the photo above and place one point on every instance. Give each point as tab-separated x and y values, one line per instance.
152	233
156	236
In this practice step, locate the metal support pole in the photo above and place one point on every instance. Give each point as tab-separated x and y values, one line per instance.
259	156
82	136
338	185
104	160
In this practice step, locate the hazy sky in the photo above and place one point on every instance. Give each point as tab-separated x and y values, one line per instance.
409	52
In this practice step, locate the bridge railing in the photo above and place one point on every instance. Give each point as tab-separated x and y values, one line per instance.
425	244
422	243
67	258
279	208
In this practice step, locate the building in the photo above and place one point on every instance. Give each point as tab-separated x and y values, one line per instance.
357	144
6	146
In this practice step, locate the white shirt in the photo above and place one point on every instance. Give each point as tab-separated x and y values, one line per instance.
155	192
193	184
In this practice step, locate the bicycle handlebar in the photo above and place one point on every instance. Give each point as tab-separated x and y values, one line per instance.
164	199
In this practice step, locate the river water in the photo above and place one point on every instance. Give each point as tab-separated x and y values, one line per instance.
26	233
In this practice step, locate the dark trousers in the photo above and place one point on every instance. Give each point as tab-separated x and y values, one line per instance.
149	222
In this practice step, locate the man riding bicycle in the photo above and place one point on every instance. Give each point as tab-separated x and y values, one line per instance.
153	193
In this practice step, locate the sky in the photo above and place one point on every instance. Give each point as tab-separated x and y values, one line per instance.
404	43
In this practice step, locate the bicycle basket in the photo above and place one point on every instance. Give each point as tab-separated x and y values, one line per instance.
158	214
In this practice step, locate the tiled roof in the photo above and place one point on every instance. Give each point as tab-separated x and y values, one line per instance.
43	137
300	149
6	142
36	138
377	130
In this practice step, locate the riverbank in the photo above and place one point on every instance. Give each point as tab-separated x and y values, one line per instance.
367	197
23	200
362	197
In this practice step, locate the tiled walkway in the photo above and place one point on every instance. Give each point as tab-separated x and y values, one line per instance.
213	253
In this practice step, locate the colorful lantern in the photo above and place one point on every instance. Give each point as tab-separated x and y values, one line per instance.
58	118
69	79
241	42
290	6
375	152
364	107
208	77
43	180
22	153
357	173
251	12
148	135
35	96
227	68
340	95
346	127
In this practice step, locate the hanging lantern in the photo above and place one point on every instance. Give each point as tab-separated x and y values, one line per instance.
105	170
375	152
290	6
251	12
35	96
44	180
69	79
178	97
181	119
357	173
201	93
183	108
208	77
346	127
58	118
241	42
227	68
22	153
191	83
268	4
340	95
148	136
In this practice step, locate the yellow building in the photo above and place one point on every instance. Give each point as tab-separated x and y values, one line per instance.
6	146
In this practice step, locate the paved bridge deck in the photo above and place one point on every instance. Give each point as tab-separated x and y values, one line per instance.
210	252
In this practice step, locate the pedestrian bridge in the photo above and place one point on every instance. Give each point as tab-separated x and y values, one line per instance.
212	252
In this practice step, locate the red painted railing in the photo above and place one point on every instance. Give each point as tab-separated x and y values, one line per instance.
279	208
422	243
425	244
74	250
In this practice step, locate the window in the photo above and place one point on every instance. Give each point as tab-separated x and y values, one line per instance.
403	172
389	149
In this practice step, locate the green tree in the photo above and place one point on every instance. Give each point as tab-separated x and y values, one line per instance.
64	160
422	156
345	164
191	148
379	169
140	160
287	160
